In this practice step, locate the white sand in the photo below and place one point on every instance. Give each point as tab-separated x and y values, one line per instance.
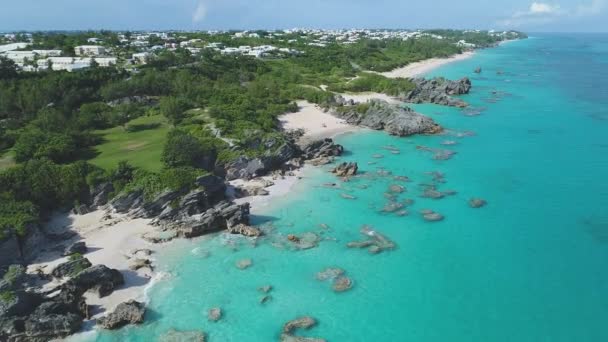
110	242
315	123
281	187
364	97
420	68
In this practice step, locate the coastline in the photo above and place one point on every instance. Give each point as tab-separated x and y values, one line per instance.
420	68
113	241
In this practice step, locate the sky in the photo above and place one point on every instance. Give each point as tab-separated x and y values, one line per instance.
524	15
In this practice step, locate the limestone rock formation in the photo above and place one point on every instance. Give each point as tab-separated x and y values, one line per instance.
131	312
394	119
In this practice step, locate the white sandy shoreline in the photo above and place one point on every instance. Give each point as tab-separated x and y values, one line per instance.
110	241
421	68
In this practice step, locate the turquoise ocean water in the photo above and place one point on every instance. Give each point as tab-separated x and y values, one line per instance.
530	266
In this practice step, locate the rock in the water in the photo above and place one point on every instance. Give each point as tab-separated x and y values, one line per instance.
305	322
265	288
342	283
244	263
478	70
71	268
131	312
396	188
305	241
79	247
214	314
329	273
477	202
265	299
346	169
245	230
182	336
347	196
432	193
433	216
375	242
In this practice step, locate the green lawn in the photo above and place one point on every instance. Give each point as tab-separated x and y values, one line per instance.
7	160
142	148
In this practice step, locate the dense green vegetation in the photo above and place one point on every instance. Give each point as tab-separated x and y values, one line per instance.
173	119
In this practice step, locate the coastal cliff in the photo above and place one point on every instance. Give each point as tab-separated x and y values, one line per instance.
380	115
438	90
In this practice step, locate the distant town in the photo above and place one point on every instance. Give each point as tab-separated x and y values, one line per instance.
33	52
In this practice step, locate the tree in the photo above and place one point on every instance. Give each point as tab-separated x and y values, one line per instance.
184	150
8	68
173	109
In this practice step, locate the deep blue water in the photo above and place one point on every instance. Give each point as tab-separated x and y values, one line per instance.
532	265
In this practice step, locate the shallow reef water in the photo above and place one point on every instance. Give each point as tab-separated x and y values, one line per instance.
529	265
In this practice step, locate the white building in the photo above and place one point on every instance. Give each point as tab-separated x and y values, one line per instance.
89	50
13	46
19	57
48	53
105	61
141	57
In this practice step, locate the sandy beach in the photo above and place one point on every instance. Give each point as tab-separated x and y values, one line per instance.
112	242
315	123
420	68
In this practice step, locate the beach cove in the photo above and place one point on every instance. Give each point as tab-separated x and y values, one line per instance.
508	271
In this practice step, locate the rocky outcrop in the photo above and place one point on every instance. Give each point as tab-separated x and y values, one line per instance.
322	148
223	215
182	336
98	278
26	316
438	90
49	321
477	202
79	247
290	328
101	194
125	202
375	242
274	158
214	314
190	214
131	312
245	230
71	267
345	169
394	119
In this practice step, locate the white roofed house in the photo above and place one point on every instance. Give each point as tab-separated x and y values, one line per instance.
89	50
141	57
48	53
105	61
64	63
13	46
20	57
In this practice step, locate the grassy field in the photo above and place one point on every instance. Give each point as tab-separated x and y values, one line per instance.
6	160
141	145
